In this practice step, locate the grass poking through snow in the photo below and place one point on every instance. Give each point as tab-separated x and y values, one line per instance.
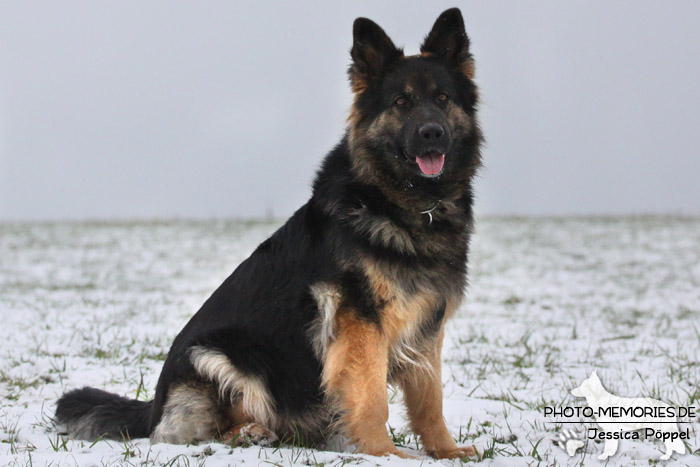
549	300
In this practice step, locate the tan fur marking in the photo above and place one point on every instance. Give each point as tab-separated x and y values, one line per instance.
423	399
401	317
358	360
458	118
363	163
467	68
355	116
355	378
358	82
388	123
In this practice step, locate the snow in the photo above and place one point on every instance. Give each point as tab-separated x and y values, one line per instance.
549	301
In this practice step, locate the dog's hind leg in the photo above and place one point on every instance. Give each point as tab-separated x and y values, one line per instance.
255	403
190	414
249	433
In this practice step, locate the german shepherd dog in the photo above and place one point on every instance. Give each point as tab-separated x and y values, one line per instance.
351	293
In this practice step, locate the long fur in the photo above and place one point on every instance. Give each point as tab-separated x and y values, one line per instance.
90	413
361	254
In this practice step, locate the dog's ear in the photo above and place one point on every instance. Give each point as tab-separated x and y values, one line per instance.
372	51
594	376
448	40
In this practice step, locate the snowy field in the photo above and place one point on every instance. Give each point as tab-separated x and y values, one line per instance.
550	300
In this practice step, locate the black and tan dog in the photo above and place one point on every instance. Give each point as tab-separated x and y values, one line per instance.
352	293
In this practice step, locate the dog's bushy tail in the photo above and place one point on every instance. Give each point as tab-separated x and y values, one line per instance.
90	414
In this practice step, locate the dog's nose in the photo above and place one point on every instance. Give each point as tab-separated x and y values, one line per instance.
431	132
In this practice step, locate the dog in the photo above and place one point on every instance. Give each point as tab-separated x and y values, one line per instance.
353	292
597	397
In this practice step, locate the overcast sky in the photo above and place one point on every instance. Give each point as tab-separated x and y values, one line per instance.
164	109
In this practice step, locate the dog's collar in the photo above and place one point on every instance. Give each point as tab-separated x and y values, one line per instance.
429	211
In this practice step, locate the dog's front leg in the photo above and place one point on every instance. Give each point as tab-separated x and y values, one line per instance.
355	378
422	388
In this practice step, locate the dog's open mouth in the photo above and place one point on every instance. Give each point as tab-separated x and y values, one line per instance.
431	163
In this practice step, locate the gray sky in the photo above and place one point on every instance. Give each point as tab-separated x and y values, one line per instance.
199	109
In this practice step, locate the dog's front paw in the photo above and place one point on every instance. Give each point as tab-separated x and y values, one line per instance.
394	451
381	448
454	452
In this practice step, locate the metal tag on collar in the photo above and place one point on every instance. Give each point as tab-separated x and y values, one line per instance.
429	212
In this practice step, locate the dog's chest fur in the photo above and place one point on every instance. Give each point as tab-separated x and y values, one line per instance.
411	308
402	270
408	304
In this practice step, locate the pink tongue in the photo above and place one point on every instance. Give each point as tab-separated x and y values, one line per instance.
431	164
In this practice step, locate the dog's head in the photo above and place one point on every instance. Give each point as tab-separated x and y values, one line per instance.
591	387
413	121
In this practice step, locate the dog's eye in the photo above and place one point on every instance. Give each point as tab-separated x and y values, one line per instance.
400	100
442	97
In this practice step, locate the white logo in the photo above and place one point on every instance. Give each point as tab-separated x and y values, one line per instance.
624	417
569	442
